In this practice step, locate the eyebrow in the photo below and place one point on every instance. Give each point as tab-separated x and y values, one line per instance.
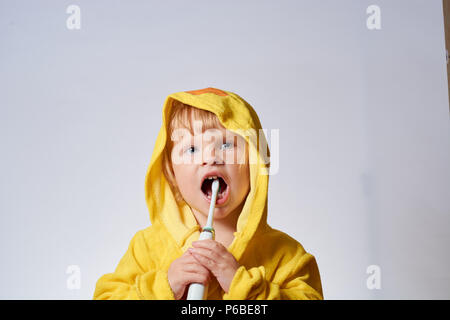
226	135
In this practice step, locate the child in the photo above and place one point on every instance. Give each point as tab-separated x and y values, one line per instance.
248	259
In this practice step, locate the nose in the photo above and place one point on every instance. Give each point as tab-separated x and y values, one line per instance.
211	156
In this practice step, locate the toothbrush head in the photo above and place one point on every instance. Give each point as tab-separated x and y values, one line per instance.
215	186
215	189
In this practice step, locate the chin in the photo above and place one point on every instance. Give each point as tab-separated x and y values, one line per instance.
220	213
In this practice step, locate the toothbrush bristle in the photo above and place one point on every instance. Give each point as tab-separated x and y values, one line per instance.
218	188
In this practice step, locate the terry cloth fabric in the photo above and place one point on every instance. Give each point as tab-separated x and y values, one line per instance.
273	265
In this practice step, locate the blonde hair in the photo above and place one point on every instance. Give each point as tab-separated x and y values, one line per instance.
181	117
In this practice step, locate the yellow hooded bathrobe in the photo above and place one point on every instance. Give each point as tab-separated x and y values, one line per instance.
273	265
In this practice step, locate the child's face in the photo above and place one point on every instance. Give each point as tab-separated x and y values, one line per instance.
217	152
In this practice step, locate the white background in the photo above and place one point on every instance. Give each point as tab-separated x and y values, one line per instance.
363	118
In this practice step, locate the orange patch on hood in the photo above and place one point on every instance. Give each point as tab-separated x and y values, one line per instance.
208	90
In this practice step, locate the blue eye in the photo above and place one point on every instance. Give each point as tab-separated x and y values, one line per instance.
228	143
192	149
189	149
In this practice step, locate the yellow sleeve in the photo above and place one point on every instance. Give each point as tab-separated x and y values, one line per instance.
136	277
301	282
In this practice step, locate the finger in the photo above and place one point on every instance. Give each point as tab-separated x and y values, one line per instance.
220	256
189	258
212	255
193	277
196	268
206	261
186	253
209	244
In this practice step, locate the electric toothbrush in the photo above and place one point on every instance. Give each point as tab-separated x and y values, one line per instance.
198	291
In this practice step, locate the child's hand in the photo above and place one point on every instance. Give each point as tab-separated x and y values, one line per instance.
214	256
184	271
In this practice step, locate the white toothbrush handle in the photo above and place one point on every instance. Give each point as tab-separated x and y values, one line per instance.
198	291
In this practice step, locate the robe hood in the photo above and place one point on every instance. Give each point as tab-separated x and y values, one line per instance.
238	116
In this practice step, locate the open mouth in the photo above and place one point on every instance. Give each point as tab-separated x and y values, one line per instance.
206	188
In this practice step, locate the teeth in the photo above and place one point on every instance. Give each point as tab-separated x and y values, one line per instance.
212	177
219	196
